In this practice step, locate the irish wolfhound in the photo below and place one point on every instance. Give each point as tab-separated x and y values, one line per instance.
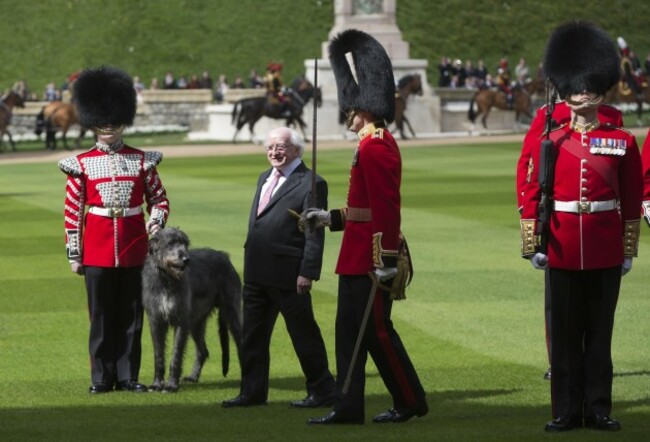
181	288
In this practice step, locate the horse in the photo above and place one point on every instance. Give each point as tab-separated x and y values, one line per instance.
537	86
250	110
486	99
621	93
407	85
55	116
7	104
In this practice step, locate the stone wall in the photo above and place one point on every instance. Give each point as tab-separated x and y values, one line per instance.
157	110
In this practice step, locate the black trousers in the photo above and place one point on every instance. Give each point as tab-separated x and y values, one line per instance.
261	308
380	340
116	316
547	313
583	304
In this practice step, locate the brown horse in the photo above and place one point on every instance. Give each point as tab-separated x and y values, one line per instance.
56	116
250	110
537	86
621	93
7	104
486	99
407	85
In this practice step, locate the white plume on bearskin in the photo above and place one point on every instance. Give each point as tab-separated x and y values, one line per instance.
366	84
579	57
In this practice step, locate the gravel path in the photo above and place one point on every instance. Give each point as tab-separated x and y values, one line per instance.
206	150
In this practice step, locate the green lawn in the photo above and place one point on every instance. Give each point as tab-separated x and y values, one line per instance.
472	323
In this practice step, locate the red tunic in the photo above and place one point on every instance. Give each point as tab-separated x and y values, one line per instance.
580	241
646	178
126	178
561	115
375	179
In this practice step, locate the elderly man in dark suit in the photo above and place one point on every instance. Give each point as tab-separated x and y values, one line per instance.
280	264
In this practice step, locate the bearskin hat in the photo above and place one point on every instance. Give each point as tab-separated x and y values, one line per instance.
371	87
581	57
104	97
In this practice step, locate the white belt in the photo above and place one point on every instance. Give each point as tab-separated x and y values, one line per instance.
115	212
585	206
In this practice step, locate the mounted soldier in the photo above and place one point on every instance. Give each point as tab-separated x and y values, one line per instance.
632	80
276	93
504	80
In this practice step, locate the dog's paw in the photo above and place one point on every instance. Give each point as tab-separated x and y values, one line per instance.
170	388
190	379
156	386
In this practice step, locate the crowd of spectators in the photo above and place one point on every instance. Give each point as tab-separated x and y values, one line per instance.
466	75
52	92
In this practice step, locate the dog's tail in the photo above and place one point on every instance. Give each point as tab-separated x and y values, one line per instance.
230	318
224	337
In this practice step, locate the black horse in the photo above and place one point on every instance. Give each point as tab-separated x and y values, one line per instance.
250	110
7	104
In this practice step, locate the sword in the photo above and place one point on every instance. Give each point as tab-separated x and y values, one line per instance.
313	138
362	330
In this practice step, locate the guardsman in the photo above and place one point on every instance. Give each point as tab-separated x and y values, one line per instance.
561	115
107	243
629	78
368	263
275	91
593	228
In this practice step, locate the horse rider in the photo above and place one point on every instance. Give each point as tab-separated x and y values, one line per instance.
503	80
275	90
630	81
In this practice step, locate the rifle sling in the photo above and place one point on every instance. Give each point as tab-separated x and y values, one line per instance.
597	162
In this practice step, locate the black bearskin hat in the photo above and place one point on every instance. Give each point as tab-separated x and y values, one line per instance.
373	90
104	97
581	57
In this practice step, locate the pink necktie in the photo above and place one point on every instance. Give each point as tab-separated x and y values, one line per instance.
269	191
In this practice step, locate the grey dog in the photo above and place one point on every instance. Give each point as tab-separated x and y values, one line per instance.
181	288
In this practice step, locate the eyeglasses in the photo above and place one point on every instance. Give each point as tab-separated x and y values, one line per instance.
280	147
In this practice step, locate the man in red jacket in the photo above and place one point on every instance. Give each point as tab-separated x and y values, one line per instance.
593	227
369	249
108	242
561	114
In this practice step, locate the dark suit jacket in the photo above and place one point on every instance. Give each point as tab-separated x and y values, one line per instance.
276	252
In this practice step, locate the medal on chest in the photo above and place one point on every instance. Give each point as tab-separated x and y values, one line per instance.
607	146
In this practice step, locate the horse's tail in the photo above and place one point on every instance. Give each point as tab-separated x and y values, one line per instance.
40	122
471	115
235	110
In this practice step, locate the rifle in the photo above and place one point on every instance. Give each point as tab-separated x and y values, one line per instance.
546	173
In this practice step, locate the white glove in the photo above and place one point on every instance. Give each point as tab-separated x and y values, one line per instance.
152	227
77	267
627	265
385	273
314	218
539	261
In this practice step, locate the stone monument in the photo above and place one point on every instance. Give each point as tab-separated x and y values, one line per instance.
377	18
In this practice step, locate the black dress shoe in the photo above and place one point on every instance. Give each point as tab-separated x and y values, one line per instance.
131	385
335	418
314	401
99	388
394	415
563	423
241	401
602	423
547	375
